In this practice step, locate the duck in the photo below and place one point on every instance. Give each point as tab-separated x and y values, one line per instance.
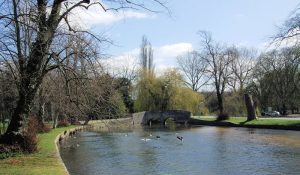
180	138
145	139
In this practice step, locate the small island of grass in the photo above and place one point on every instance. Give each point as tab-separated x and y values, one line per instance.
280	123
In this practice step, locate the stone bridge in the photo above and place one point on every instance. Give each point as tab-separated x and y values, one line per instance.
145	118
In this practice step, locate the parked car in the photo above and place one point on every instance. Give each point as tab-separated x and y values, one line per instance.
272	113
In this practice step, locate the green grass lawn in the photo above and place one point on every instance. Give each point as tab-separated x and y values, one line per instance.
282	122
42	163
2	127
243	121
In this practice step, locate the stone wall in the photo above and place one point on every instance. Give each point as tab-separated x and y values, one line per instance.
62	136
138	117
144	118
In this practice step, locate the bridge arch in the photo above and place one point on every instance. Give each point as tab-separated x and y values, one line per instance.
145	118
168	118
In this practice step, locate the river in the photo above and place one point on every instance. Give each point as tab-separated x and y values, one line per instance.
203	150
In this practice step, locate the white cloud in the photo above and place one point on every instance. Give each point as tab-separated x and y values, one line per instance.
127	61
278	44
95	15
164	57
292	39
174	50
243	44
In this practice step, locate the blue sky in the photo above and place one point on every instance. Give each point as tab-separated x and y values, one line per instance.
242	22
248	22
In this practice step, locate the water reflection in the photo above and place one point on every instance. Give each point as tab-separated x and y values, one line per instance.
204	150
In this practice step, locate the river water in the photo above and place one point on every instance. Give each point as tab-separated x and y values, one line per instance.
203	150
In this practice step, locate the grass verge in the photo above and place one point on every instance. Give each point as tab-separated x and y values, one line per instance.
45	162
242	122
2	127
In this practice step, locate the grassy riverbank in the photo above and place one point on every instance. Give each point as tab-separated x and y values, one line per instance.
1	127
288	124
44	162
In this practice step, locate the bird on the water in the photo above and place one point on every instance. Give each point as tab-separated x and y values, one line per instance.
180	138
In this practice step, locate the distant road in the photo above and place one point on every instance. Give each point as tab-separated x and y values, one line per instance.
294	117
281	118
198	117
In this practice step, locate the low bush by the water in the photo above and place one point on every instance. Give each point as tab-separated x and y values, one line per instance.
30	135
63	123
28	139
9	151
222	116
39	126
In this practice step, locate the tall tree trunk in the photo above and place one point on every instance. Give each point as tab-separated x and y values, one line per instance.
31	78
220	103
41	116
41	112
55	118
3	124
13	134
53	115
284	110
251	114
22	110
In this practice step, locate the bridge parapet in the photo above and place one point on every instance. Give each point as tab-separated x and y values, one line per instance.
144	118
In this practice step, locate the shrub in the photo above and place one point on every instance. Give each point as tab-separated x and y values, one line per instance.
63	123
45	129
25	141
41	127
30	135
222	116
9	151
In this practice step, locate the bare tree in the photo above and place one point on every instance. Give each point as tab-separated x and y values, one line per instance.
277	74
242	64
127	69
194	68
218	62
289	32
146	55
251	114
29	30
